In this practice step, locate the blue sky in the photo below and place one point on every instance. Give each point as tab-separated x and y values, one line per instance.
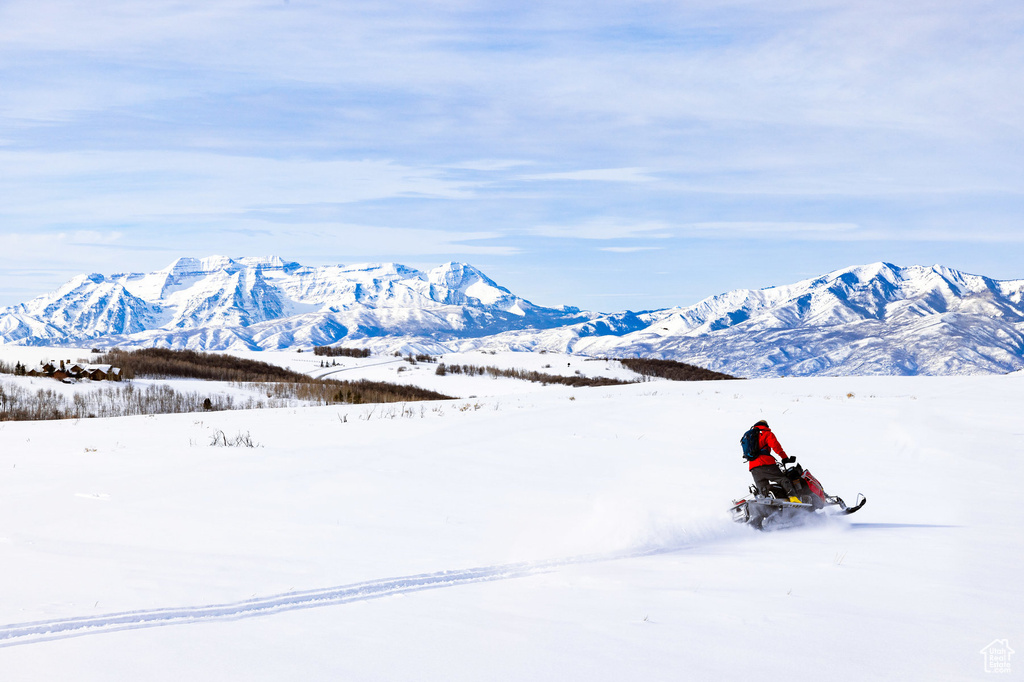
608	155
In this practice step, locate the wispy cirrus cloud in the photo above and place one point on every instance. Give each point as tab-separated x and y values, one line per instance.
604	229
596	175
786	228
628	249
46	189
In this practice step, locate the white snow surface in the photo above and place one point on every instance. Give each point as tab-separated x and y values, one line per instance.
546	534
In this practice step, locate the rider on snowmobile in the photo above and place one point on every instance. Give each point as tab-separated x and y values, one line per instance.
763	466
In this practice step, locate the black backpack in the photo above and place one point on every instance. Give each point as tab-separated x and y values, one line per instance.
750	444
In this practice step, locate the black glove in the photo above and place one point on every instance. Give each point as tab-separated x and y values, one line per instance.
788	460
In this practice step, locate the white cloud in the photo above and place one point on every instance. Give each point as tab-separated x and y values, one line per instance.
780	228
972	235
597	174
629	249
603	229
19	247
797	231
311	242
488	164
139	187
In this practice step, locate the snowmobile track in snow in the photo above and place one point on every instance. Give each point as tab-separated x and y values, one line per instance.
63	628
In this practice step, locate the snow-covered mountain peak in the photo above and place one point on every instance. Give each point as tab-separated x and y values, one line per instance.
198	267
879	270
857	276
195	267
379	271
266	263
467	282
452	273
77	282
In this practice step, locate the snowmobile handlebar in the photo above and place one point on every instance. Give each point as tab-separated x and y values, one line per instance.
785	467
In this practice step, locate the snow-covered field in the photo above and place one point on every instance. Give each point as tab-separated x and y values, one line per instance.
424	374
524	533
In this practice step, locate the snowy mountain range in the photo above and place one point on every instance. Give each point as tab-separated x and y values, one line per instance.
876	319
222	303
873	319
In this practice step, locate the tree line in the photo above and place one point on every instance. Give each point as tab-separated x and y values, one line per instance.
17	369
164	363
670	369
338	351
648	367
21	404
527	375
330	392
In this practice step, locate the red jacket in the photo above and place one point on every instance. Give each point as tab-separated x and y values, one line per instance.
767	440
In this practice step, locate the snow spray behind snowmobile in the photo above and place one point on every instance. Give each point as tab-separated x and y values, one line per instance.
776	511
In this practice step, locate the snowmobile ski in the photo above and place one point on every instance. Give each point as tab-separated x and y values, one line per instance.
860	503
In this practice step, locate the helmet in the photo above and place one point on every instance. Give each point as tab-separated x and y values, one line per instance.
762	423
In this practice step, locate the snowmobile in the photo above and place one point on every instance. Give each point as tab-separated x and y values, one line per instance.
776	511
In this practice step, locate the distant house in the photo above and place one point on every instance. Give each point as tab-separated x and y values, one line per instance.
65	371
103	373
